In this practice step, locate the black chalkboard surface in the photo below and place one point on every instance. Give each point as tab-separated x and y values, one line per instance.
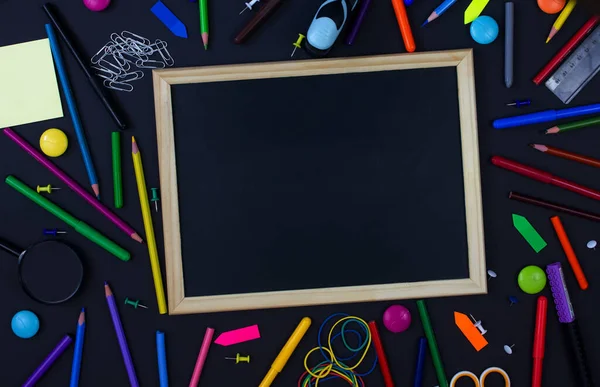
325	181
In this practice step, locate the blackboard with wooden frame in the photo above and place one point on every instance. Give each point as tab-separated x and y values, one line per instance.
182	301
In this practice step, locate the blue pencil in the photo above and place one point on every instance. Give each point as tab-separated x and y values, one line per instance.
439	11
76	367
420	362
66	87
163	376
546	116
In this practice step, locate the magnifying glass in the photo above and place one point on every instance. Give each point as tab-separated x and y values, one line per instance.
49	272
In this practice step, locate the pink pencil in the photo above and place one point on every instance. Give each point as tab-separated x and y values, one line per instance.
72	184
202	357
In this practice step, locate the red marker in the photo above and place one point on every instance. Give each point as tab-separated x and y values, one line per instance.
539	341
383	363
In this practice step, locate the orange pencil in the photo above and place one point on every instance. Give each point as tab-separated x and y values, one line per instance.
571	257
407	36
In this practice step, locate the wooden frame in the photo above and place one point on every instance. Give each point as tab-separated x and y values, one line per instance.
180	304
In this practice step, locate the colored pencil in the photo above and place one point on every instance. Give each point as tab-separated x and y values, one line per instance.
439	11
79	226
66	87
382	358
404	25
418	382
162	359
148	226
569	252
561	19
208	335
72	184
203	5
76	366
48	361
115	138
364	6
566	50
567	155
574	125
546	116
539	341
544	177
509	34
433	348
52	13
553	206
114	314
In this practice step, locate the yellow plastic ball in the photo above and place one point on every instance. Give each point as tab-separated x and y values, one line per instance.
54	142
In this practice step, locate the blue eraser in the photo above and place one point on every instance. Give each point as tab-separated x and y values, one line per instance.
25	324
484	30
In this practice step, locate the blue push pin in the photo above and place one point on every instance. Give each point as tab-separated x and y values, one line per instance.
513	300
520	102
53	231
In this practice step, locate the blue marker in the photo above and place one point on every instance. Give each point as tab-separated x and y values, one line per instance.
162	359
420	362
439	11
546	116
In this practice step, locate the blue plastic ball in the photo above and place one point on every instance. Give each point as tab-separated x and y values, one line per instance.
25	324
484	30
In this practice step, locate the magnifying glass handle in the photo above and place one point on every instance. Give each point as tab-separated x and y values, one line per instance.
10	248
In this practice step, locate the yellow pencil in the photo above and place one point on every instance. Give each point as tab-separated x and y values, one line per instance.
561	19
286	352
148	227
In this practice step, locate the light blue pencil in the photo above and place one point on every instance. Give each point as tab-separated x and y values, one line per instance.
76	367
439	11
66	87
163	376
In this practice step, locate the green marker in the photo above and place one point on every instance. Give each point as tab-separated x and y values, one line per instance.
116	165
203	4
79	226
433	348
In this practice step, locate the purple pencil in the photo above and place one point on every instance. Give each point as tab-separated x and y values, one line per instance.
72	184
114	313
357	22
48	361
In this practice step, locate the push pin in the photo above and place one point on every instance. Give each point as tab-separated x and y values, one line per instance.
478	325
53	231
135	304
491	274
249	5
239	359
297	44
518	103
513	300
47	188
155	198
508	349
592	244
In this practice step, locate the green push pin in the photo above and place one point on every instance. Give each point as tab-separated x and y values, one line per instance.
155	198
135	304
239	359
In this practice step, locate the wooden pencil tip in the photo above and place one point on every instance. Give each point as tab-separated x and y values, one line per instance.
553	130
134	147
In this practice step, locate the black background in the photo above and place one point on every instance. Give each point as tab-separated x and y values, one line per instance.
507	252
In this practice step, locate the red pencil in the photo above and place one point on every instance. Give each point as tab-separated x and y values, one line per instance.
539	341
566	50
383	363
544	177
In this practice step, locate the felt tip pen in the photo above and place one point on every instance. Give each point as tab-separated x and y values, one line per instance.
546	116
539	341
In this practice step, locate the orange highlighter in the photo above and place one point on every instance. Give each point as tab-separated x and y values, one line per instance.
407	36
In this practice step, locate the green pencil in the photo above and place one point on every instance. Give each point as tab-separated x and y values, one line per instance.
574	125
203	4
78	225
433	348
116	165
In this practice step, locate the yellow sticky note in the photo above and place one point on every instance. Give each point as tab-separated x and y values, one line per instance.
474	10
28	87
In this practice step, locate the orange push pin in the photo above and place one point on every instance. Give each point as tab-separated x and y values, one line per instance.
239	358
47	188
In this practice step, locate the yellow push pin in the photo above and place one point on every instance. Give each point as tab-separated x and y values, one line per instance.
54	142
47	188
239	359
297	44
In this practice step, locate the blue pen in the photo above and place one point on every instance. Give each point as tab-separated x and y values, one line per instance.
439	10
66	87
76	367
420	362
546	116
162	359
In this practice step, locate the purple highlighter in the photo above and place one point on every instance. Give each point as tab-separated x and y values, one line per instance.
358	21
566	316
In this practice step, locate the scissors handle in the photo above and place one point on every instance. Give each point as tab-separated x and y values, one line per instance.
10	248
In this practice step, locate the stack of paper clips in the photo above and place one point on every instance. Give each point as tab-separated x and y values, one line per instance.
115	61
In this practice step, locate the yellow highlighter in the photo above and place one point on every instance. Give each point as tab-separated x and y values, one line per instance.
286	352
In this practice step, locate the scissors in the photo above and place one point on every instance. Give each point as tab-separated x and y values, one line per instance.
480	382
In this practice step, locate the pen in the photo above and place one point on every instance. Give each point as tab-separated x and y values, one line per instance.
545	116
404	24
509	30
260	17
539	341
